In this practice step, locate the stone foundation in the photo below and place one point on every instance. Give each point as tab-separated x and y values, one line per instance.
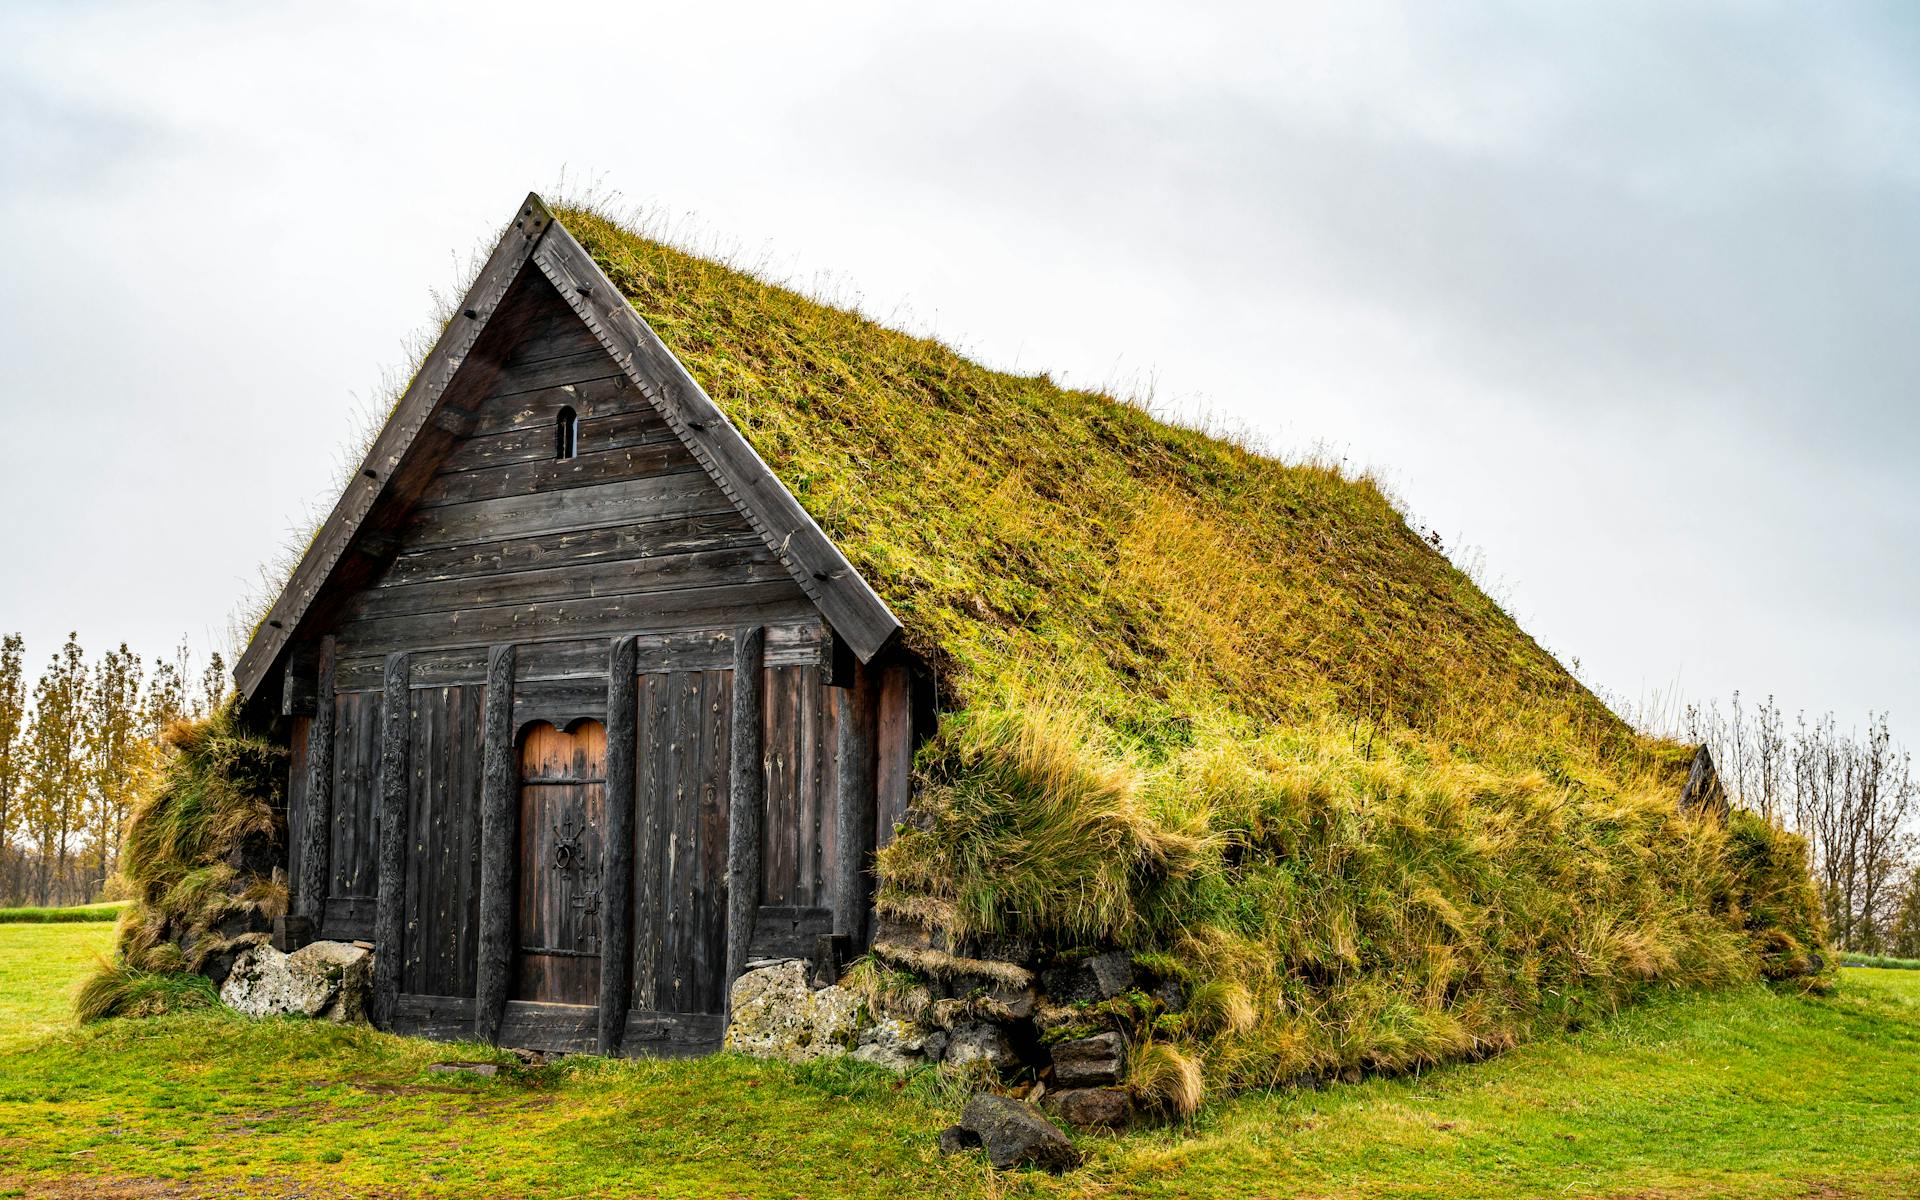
1055	1031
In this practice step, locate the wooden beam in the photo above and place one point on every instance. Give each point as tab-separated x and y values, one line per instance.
316	840
746	802
817	565
390	903
616	877
298	683
853	810
530	224
499	832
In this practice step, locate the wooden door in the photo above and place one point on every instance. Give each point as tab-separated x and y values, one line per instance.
563	776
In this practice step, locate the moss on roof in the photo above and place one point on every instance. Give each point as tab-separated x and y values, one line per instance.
1024	531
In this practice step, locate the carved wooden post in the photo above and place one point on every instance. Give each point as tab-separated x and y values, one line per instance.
499	821
616	886
746	802
389	913
853	816
316	841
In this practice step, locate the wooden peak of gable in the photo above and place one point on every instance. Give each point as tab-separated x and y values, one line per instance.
427	415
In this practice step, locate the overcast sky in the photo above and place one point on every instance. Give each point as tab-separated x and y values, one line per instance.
1626	299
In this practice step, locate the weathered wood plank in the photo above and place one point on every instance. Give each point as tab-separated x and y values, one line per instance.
656	497
637	430
787	645
893	777
671	1035
499	838
559	702
349	919
716	720
854	810
431	383
850	605
389	920
746	801
551	339
639	577
555	1028
788	931
316	859
298	681
771	603
616	907
576	368
442	1018
650	851
591	466
528	411
617	543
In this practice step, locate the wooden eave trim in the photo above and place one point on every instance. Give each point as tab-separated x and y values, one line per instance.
530	224
843	596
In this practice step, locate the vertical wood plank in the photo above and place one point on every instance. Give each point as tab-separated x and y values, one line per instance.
715	792
650	894
499	836
389	920
746	802
316	859
893	780
853	821
678	877
616	900
468	747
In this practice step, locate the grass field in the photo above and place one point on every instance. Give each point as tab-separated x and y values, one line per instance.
106	910
1895	964
1744	1093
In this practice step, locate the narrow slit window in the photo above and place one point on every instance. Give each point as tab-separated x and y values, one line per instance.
567	434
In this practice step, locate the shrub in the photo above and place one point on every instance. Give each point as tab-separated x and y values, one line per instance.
201	862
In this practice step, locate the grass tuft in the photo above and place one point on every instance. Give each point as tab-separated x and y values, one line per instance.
201	861
117	990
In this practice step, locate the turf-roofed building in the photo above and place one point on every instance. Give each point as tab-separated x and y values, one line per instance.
607	674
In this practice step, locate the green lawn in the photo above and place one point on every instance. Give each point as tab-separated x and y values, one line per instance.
105	910
39	967
1746	1093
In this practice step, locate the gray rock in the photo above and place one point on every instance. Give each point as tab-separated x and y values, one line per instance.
485	1070
906	1004
328	980
345	966
892	1043
980	1042
1015	1135
934	1046
1112	972
955	1139
1091	1108
1170	995
1101	977
777	1014
1005	1003
1098	1061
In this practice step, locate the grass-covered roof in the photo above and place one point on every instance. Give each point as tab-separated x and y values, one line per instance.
1226	711
1029	533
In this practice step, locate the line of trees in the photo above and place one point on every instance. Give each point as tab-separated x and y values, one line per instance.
74	746
1851	793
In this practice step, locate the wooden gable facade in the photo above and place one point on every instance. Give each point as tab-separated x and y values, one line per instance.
584	710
